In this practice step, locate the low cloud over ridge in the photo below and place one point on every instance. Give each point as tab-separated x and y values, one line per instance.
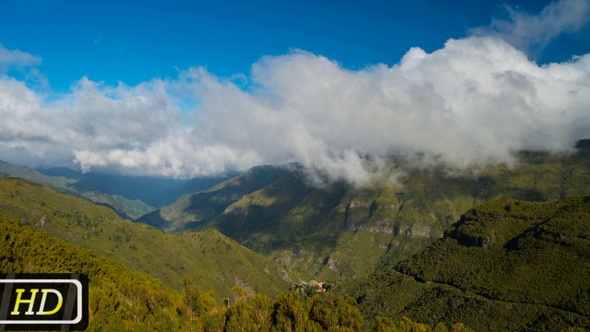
474	101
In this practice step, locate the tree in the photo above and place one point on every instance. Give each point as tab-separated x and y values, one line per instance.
196	300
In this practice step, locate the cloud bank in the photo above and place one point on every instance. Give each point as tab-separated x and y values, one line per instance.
474	101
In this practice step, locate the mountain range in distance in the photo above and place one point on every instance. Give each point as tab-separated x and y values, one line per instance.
335	231
207	258
425	240
154	191
130	196
505	265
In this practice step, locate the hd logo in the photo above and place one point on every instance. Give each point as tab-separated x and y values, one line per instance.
43	302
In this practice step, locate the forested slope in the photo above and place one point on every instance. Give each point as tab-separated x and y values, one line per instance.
121	299
506	265
341	231
210	259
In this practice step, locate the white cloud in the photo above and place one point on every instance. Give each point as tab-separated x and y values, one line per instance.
474	101
531	33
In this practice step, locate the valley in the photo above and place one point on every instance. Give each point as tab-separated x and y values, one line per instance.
340	231
431	243
208	258
340	166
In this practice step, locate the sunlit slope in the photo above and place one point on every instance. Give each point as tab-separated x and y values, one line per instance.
506	265
11	170
340	231
128	208
119	298
209	258
197	208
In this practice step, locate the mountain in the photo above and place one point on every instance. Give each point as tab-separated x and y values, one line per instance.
153	191
67	181
125	207
340	231
9	170
131	196
122	299
142	188
197	208
187	187
119	298
65	172
210	259
506	265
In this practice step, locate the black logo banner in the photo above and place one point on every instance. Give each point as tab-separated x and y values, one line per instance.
56	302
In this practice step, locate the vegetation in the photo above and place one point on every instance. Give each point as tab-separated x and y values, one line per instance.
125	207
121	299
338	231
212	260
506	265
197	208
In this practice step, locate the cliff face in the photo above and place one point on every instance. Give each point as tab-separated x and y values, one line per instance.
506	265
340	231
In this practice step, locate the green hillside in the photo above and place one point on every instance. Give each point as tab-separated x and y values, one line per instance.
197	208
121	299
126	207
9	170
340	231
506	265
210	259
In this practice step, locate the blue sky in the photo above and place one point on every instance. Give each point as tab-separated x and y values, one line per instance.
134	41
191	88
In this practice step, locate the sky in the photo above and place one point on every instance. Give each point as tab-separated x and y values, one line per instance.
198	88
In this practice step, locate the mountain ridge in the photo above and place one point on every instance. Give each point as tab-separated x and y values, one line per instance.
506	265
197	208
131	196
341	231
168	257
